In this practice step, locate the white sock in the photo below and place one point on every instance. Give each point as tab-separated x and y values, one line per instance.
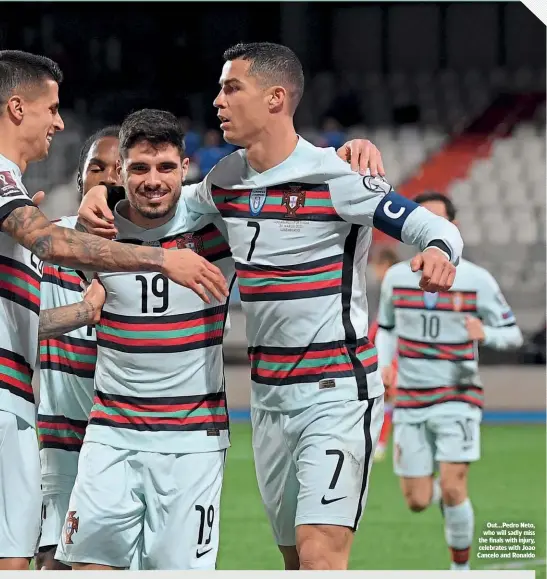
459	524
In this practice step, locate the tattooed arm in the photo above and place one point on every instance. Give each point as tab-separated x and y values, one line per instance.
77	250
58	321
74	249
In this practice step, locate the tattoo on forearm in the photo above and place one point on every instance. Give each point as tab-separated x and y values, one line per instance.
75	249
80	227
58	321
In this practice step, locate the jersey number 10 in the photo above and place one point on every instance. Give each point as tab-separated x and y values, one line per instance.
431	326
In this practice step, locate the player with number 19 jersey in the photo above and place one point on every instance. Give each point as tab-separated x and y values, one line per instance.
300	233
151	467
20	275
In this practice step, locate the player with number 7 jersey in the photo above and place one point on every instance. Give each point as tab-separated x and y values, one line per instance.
300	234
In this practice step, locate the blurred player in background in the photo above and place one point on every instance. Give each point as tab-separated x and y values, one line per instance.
382	261
439	394
29	119
67	359
299	223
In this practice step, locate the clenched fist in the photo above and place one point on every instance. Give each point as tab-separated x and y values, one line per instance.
438	272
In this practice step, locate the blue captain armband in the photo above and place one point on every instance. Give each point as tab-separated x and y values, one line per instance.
391	213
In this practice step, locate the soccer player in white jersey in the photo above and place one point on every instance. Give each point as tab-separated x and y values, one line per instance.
299	225
151	466
439	393
196	544
68	352
29	118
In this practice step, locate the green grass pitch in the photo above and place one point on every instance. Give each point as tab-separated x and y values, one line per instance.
508	484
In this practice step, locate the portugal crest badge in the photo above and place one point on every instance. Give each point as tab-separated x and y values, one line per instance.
457	301
293	199
257	199
190	241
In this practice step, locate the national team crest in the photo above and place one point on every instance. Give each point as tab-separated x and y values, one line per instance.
457	301
71	526
430	300
257	199
190	241
293	200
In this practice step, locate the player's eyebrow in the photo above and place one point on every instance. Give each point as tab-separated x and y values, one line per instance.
96	161
229	81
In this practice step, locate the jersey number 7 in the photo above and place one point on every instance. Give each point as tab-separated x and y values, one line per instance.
256	225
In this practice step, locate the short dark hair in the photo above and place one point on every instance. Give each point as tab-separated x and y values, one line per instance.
153	126
436	196
387	255
275	63
110	131
23	69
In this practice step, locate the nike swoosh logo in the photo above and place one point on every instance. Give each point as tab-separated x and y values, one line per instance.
325	501
198	554
229	199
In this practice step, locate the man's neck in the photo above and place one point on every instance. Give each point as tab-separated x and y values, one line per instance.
275	145
131	214
10	148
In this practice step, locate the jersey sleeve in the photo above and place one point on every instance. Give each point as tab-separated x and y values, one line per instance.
492	306
199	199
372	202
12	195
499	323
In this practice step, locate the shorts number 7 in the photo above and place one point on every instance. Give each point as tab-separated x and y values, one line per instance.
338	468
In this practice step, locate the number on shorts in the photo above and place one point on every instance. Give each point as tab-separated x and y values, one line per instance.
207	516
338	468
467	429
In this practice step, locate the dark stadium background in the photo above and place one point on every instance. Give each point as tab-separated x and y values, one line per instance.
454	96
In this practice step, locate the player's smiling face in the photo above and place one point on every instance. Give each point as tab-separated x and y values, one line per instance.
40	118
153	176
242	103
100	164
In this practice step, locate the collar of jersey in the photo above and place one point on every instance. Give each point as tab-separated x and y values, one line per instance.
11	165
127	229
299	155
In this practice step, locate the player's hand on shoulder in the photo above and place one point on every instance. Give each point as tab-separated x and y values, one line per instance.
475	328
362	155
94	215
94	296
438	272
190	270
